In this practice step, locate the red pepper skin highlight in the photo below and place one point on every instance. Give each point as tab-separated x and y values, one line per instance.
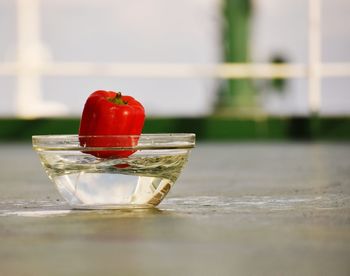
109	113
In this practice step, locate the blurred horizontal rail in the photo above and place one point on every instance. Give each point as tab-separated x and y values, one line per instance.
175	70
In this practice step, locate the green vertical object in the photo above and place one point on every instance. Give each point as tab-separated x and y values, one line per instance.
237	93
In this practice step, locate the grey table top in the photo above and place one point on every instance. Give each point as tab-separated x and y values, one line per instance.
237	209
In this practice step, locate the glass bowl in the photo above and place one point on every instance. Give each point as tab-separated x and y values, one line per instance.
128	171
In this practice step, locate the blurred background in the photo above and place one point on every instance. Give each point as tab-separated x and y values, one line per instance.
225	69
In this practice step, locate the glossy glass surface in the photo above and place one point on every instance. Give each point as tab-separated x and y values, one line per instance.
87	180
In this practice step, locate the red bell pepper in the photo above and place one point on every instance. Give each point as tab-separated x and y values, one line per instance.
110	113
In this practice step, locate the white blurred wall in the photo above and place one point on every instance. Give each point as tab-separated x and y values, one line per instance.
118	31
280	27
167	31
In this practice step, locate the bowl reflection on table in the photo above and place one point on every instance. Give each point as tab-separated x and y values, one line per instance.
104	177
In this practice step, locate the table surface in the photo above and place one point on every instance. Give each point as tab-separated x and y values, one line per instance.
237	209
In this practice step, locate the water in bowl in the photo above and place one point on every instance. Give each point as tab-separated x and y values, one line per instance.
142	179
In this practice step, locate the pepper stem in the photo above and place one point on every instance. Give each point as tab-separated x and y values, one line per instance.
117	99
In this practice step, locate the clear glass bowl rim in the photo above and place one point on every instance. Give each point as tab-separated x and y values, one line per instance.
70	142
